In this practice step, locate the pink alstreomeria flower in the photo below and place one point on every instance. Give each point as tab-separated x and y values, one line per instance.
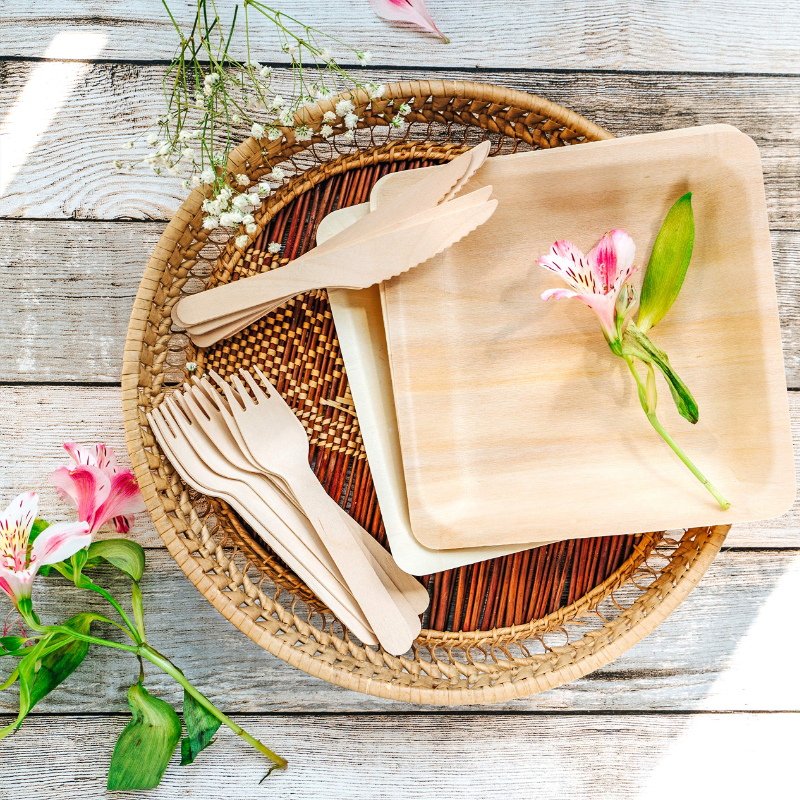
19	561
413	11
101	491
597	278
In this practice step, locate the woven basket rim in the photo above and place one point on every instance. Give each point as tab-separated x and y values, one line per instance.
168	253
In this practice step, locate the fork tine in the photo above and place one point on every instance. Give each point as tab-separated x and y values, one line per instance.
243	395
231	396
256	389
203	387
268	387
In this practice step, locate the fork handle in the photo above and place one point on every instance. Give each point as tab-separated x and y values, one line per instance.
380	608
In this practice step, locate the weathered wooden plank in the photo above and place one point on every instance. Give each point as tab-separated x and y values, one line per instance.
36	420
68	289
430	756
67	294
709	655
65	172
681	35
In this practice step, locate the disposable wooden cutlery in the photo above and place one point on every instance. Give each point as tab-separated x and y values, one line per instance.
277	440
208	408
376	248
177	447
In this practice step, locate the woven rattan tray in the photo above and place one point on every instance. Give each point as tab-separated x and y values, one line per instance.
496	630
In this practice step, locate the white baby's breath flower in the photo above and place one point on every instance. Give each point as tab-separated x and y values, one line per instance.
241	201
212	78
398	122
191	366
326	131
230	219
151	138
364	57
286	116
325	55
248	219
196	180
264	189
207	89
253	65
274	134
187	184
344	107
376	90
322	92
209	223
255	200
163	148
236	119
257	131
277	102
187	152
241	241
225	194
404	109
351	120
277	174
265	72
303	133
208	175
213	207
127	146
347	136
251	228
274	247
184	135
291	49
118	164
242	180
329	116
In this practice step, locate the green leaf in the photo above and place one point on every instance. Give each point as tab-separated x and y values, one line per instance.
61	663
201	725
145	747
125	555
38	526
13	642
669	261
636	345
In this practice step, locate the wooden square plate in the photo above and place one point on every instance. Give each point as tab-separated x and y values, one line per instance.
516	422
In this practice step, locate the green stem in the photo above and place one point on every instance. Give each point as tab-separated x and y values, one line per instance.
163	663
654	421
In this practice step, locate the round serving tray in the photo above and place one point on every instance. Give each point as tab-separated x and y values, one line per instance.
500	629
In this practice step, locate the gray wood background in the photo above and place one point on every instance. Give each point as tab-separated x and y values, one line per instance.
707	706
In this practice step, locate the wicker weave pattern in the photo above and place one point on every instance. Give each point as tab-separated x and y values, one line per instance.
237	574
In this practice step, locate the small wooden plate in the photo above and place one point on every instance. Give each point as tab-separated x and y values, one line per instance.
516	422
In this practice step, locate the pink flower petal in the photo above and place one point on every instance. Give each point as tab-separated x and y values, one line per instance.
124	499
16	584
558	294
612	256
20	515
86	486
572	266
413	11
58	542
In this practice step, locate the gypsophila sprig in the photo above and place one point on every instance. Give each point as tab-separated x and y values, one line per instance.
215	97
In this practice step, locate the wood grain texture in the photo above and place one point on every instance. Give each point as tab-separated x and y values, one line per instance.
36	420
67	294
707	656
418	756
67	173
97	267
681	35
